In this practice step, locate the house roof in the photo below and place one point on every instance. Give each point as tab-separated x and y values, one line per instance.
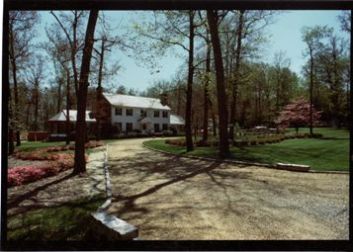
134	101
176	120
61	116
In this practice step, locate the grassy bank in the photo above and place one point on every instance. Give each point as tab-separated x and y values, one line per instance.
329	153
69	221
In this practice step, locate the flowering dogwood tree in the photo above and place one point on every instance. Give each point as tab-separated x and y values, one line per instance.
297	114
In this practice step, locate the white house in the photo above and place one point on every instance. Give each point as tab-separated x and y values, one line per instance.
128	113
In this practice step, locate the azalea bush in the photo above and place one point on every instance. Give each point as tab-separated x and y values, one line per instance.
56	162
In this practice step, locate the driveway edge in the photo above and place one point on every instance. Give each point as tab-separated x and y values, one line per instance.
269	166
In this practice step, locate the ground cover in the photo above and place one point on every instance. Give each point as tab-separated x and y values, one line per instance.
69	221
331	152
55	159
57	207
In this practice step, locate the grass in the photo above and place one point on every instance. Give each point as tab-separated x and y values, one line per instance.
326	132
66	222
329	153
31	146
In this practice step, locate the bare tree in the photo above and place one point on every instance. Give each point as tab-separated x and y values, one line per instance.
34	77
21	25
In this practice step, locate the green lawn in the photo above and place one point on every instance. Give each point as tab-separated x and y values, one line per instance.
67	222
326	132
329	153
30	146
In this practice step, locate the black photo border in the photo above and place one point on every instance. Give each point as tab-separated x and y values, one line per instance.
254	245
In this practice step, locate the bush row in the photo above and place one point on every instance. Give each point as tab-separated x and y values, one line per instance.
57	162
273	138
25	174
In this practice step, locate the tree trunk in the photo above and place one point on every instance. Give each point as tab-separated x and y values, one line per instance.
221	94
68	107
10	124
58	108
206	96
311	92
99	90
36	104
233	108
80	162
15	86
188	121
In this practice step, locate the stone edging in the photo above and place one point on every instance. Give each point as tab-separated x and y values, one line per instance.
270	166
108	186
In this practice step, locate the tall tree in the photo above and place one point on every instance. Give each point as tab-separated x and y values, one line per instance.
106	45
312	37
59	50
238	51
71	30
21	25
175	28
80	162
212	17
35	77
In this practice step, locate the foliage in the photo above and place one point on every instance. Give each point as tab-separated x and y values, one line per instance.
297	114
57	162
25	174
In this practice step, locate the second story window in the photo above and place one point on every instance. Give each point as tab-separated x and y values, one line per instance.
118	111
129	112
156	113
143	113
165	114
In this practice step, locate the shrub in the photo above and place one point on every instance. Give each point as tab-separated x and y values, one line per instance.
178	142
317	135
25	174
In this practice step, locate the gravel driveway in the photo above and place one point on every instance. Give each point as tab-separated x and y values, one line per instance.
175	198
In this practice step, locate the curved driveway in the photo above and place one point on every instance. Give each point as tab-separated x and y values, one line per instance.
176	198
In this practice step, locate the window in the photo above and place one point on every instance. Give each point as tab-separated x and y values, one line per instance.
156	127
165	126
143	113
165	114
156	113
128	127
118	127
129	112
118	111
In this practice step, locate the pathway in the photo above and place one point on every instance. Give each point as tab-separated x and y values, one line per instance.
177	198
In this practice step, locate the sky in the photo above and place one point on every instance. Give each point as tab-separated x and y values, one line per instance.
284	35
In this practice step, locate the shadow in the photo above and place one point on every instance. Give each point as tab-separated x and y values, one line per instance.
67	221
16	201
159	167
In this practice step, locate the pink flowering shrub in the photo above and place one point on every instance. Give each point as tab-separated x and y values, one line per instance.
22	174
57	162
25	174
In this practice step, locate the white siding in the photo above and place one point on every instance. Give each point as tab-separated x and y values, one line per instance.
134	119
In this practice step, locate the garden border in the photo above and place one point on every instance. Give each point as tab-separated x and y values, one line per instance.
264	165
108	224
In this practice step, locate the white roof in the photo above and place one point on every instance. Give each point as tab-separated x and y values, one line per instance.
176	120
134	101
61	116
